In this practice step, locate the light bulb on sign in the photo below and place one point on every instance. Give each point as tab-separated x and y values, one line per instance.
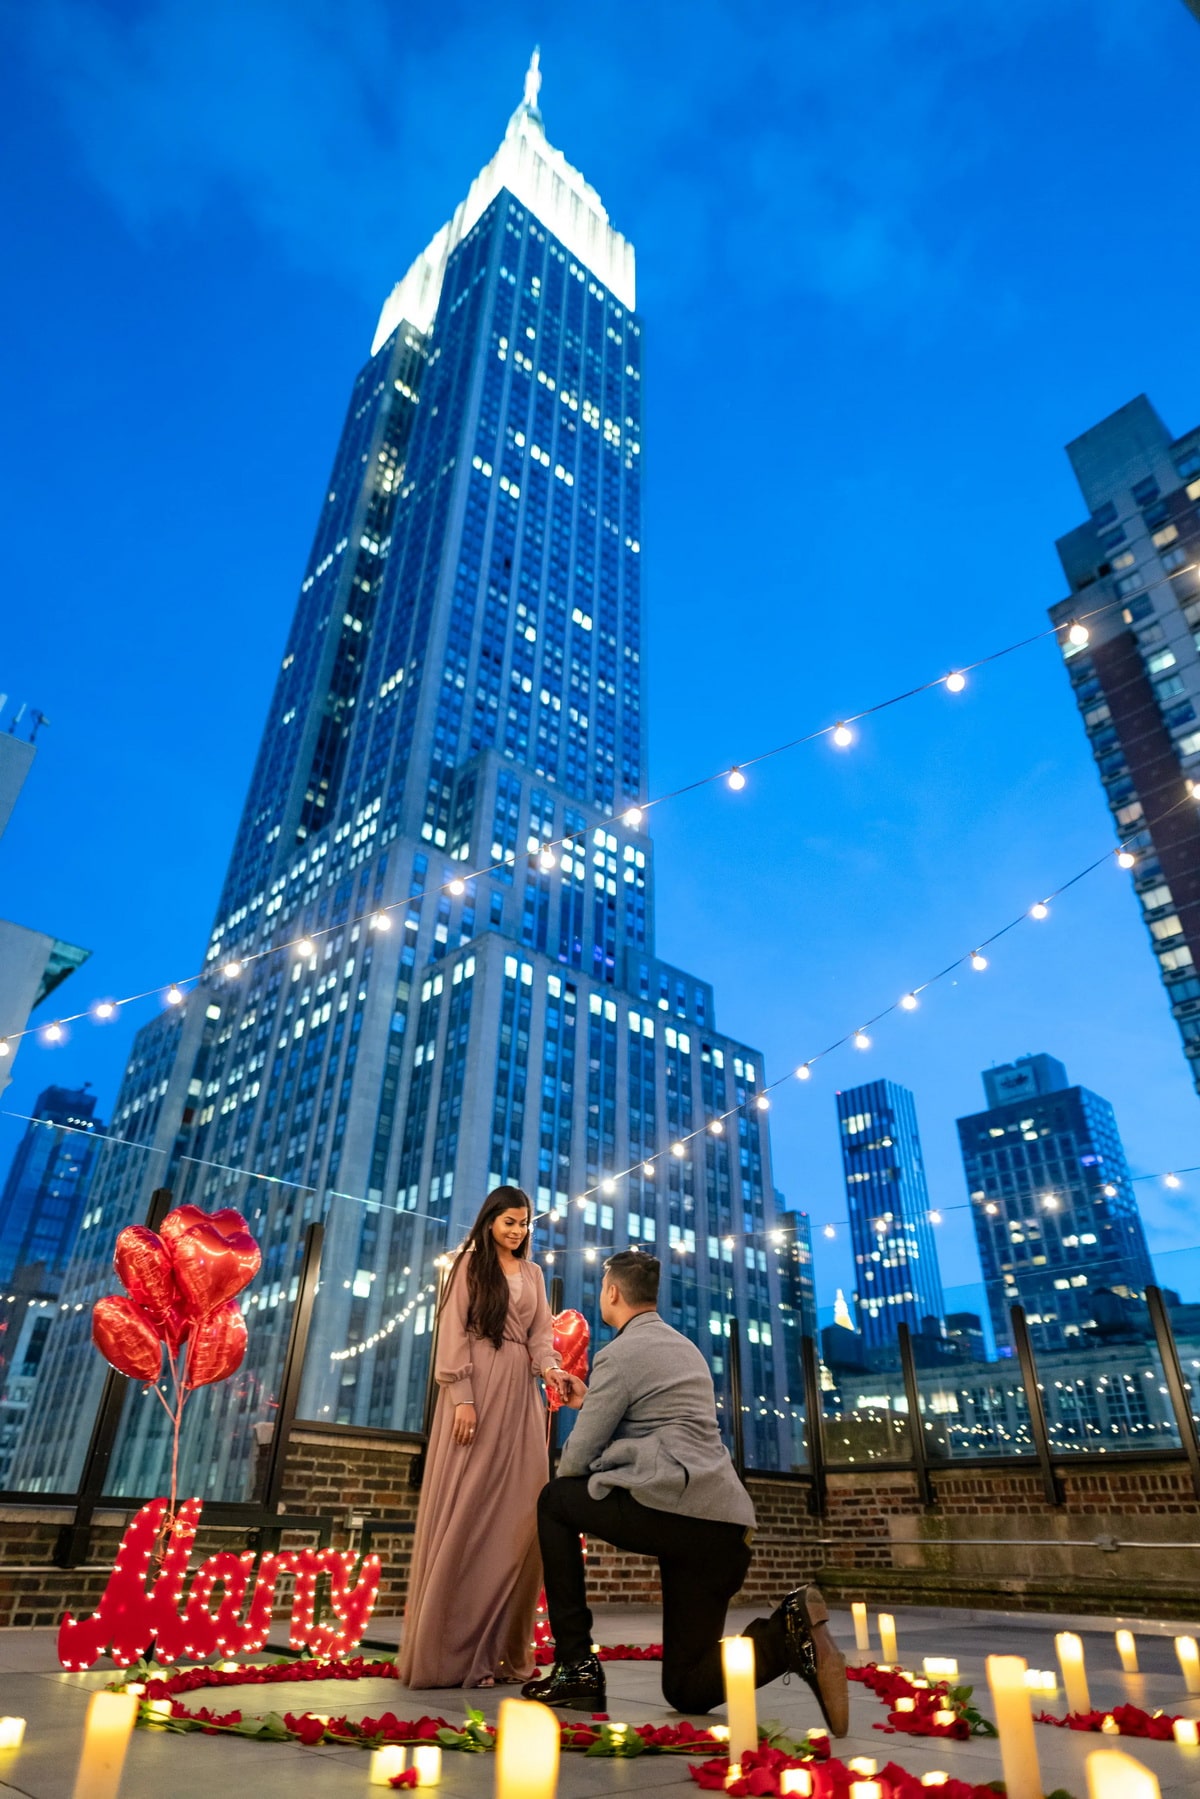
978	961
1078	635
908	1002
843	736
1126	859
1041	910
955	682
633	817
861	1040
736	779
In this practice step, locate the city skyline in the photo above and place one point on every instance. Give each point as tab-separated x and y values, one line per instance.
884	813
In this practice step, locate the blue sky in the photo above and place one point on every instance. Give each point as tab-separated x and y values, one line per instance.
890	261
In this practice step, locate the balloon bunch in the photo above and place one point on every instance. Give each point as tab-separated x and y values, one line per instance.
571	1337
180	1286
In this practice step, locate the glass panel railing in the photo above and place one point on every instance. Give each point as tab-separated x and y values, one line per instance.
972	1409
865	1406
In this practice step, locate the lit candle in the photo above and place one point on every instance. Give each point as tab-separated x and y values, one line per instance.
527	1742
795	1780
1111	1774
866	1789
1109	1726
906	1705
733	1772
106	1733
862	1636
1074	1674
427	1760
1014	1725
865	1765
12	1732
737	1661
159	1708
1186	1733
887	1637
385	1763
719	1732
1127	1650
940	1667
934	1778
231	1667
944	1719
1189	1661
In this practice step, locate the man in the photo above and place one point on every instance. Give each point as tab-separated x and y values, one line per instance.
645	1469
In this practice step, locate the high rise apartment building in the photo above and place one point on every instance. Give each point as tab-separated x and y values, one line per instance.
433	966
1135	586
887	1197
1055	1215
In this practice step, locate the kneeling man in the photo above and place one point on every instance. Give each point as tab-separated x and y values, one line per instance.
644	1469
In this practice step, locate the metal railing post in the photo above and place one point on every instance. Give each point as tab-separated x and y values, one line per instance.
1037	1410
556	1300
293	1368
735	1396
814	1418
916	1427
74	1541
1168	1351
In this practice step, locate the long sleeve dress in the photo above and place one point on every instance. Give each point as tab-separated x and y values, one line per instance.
476	1569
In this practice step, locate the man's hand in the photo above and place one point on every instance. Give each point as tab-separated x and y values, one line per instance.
556	1379
574	1391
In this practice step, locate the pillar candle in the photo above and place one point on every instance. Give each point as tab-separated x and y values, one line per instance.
427	1760
795	1780
1189	1661
527	1743
934	1778
887	1637
905	1705
385	1763
1070	1660
941	1667
737	1661
866	1789
106	1733
866	1765
1127	1650
944	1719
1109	1726
1186	1733
1111	1774
1014	1725
12	1732
862	1636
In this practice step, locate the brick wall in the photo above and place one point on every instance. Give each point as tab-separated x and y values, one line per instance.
876	1540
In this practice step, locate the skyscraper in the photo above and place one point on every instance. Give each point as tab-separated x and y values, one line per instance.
433	967
1134	581
1055	1215
895	1257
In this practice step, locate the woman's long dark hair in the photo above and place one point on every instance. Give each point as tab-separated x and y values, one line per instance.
487	1287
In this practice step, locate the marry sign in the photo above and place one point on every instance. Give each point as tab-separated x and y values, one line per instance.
144	1607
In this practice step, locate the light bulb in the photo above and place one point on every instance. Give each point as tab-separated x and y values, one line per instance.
581	1201
861	1040
1050	1202
991	1208
305	947
729	1242
804	1072
677	1149
1078	635
174	996
457	886
52	1033
935	1217
956	682
843	736
648	1169
633	817
608	1185
829	1231
716	1127
763	1103
1169	1180
1110	1192
1041	910
547	860
908	1002
105	1008
978	961
232	970
5	1049
736	779
1126	859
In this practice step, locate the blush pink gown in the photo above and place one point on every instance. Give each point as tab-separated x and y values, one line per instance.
476	1570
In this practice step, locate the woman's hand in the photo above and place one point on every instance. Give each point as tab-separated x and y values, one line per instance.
554	1377
464	1425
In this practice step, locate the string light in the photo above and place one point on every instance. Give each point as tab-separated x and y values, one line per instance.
677	1149
608	1185
762	1103
861	1040
935	1217
843	736
1110	1192
736	780
1078	635
908	1002
53	1033
804	1072
716	1127
104	1009
547	860
1171	1180
5	1050
305	948
1126	859
1040	910
381	922
978	961
648	1169
457	887
829	1232
174	995
956	682
232	970
632	818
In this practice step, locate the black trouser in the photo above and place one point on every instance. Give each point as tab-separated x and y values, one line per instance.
702	1564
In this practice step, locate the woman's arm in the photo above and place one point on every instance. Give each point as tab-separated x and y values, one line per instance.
540	1336
453	1365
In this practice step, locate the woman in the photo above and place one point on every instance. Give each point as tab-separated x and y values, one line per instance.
476	1570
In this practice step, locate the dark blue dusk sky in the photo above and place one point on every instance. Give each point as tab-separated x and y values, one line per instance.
890	260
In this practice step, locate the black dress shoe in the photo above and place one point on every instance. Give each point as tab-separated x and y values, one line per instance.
578	1685
814	1656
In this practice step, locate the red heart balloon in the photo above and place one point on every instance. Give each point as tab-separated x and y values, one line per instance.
177	1327
214	1260
571	1338
126	1338
180	1220
217	1347
143	1265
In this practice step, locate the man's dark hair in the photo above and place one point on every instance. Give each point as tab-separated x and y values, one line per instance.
635	1274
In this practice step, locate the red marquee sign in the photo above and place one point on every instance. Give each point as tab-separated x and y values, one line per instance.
140	1609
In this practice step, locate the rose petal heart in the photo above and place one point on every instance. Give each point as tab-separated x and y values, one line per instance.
217	1346
214	1260
126	1338
143	1266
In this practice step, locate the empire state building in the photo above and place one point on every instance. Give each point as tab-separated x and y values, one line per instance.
433	966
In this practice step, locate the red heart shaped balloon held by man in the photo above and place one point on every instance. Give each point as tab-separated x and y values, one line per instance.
143	1266
214	1259
216	1350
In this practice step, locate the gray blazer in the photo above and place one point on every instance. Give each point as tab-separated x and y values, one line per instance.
649	1424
